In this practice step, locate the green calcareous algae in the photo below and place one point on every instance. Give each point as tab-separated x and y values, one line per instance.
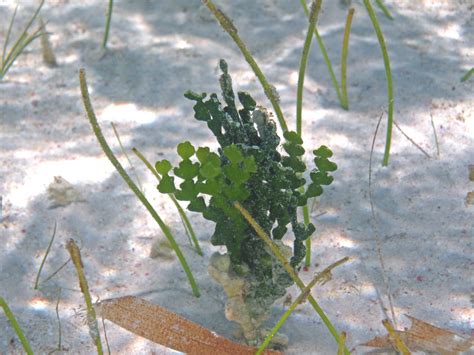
250	168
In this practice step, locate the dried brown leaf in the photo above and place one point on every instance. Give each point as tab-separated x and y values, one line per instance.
395	338
425	337
164	327
48	54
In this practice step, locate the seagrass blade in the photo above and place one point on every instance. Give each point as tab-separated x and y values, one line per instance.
164	327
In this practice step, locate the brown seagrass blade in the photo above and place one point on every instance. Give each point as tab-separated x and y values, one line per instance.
422	336
164	327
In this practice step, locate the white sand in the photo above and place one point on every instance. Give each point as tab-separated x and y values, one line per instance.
160	49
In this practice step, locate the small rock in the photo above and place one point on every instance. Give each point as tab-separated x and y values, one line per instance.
62	193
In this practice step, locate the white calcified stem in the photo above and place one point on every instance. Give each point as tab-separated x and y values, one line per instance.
237	309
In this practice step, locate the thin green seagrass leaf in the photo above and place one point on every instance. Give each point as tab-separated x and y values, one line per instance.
7	38
110	155
16	326
107	24
21	43
388	74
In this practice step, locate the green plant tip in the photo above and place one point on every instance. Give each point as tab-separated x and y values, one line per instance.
323	152
163	167
191	95
292	137
186	150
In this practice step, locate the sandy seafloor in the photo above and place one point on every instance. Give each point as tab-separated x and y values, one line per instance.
160	49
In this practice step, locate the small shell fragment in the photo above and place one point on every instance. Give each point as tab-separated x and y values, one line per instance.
62	193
